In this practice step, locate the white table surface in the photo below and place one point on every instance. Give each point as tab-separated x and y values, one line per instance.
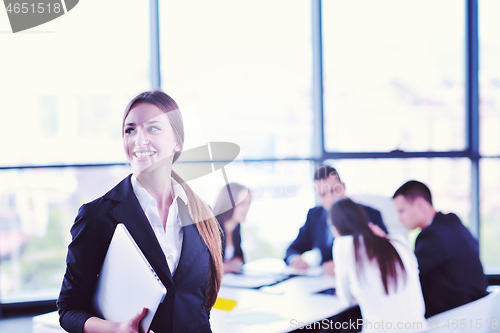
290	302
278	308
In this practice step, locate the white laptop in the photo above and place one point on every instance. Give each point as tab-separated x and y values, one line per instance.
127	282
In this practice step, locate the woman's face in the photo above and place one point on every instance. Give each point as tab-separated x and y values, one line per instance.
241	209
148	138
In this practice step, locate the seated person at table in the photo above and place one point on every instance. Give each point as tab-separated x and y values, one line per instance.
380	273
451	273
315	233
231	209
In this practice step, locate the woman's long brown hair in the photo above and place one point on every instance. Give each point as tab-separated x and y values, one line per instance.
199	211
351	219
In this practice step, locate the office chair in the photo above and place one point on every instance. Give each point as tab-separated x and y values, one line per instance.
475	316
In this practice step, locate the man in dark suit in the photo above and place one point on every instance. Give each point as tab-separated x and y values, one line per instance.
315	233
451	273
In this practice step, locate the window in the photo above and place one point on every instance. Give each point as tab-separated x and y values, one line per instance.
282	193
447	179
490	214
246	68
63	93
489	102
38	208
393	70
489	78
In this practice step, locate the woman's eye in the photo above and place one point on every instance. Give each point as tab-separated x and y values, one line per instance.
129	130
153	129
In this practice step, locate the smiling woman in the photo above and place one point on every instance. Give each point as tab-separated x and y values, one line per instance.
148	138
164	216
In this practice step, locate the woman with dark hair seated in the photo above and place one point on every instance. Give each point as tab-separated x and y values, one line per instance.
380	273
231	209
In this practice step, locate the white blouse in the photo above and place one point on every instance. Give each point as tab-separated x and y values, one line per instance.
170	238
400	311
229	253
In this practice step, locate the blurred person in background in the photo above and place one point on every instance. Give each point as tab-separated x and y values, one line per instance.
231	208
315	233
380	273
451	273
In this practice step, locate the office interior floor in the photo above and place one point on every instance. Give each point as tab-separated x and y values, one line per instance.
23	324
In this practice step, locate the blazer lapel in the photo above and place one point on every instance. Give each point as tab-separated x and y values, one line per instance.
130	213
192	243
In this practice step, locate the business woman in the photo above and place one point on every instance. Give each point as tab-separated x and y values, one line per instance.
176	230
380	273
231	207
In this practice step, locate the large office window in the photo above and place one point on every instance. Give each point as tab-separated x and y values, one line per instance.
489	78
490	214
243	69
38	208
444	176
245	66
489	104
282	193
63	92
393	71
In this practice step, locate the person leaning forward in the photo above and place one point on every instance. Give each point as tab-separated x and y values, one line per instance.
451	273
315	233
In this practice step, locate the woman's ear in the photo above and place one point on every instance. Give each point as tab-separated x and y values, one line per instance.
177	148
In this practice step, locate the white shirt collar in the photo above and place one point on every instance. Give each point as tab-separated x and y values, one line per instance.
169	234
145	199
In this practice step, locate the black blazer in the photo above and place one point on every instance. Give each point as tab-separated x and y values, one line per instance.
451	273
182	310
238	252
317	234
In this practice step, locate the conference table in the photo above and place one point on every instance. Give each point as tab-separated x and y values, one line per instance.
265	299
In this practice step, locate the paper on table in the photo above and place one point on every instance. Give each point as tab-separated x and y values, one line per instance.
278	266
311	271
244	281
265	265
256	318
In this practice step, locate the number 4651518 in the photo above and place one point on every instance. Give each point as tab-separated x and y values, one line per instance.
31	8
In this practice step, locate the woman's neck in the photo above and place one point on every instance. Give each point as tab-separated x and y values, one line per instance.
158	184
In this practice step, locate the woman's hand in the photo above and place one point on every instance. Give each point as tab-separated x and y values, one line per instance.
233	266
329	267
132	325
97	325
377	230
299	263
